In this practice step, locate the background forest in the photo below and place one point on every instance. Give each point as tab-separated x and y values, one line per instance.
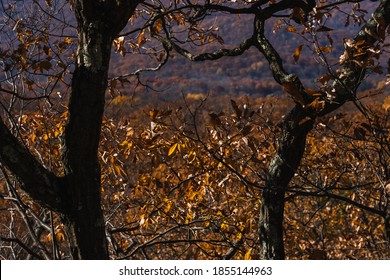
207	139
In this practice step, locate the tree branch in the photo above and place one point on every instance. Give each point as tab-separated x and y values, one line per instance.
352	73
22	245
339	198
169	44
42	185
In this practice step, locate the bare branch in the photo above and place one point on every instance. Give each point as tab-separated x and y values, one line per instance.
22	245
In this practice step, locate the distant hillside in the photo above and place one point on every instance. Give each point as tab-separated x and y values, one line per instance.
244	75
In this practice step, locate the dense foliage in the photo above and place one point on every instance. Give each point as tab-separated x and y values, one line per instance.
184	182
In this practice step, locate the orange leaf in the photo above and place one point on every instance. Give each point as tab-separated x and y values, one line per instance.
313	92
324	78
117	169
318	105
158	26
386	103
141	38
326	49
60	235
172	149
297	53
248	254
291	29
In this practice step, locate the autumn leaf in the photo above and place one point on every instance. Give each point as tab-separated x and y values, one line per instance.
158	26
60	235
191	156
117	169
33	137
119	45
124	145
324	79
141	38
386	103
318	105
172	149
144	222
326	49
168	205
297	53
313	92
224	226
248	254
68	40
291	29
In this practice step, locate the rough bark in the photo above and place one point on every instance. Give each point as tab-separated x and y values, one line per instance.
84	218
387	212
281	170
98	24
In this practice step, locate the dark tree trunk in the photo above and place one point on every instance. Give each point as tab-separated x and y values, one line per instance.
84	221
98	24
387	212
281	170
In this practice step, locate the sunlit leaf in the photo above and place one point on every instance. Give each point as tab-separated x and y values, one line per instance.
60	235
117	169
326	49
318	105
386	103
141	38
224	226
172	149
248	254
291	29
158	26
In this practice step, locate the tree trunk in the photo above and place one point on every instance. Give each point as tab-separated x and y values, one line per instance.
99	22
387	212
281	170
84	219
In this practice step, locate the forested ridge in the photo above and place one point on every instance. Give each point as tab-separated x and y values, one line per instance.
246	75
